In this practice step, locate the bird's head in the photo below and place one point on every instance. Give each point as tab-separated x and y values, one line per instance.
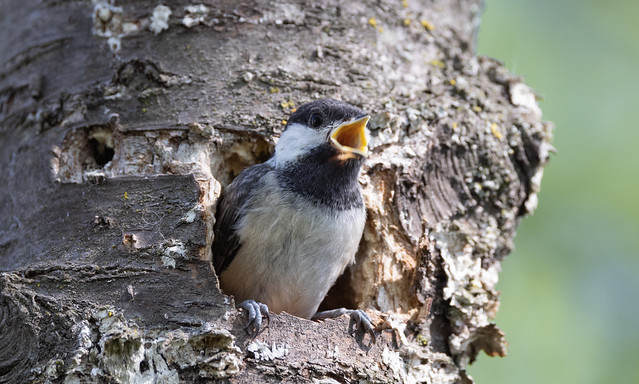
331	128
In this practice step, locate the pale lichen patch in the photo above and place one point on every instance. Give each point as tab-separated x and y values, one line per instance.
470	287
522	95
192	214
168	262
109	22
195	15
262	351
160	19
174	248
127	353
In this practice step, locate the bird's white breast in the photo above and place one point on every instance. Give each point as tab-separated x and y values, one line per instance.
291	251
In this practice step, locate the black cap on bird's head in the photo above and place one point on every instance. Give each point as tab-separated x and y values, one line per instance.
325	122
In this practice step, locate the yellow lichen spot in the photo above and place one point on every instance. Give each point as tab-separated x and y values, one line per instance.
476	108
126	196
274	89
405	3
452	81
422	340
145	110
427	25
284	122
293	110
110	313
454	126
188	46
380	29
372	22
495	130
407	22
287	104
437	63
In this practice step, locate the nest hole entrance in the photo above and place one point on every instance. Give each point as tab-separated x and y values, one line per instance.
239	156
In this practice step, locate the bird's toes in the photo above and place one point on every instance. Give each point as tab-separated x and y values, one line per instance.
359	318
264	311
255	312
363	321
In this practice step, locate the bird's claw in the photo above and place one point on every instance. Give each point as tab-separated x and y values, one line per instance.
255	311
363	321
359	318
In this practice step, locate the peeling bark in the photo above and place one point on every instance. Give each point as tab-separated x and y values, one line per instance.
121	123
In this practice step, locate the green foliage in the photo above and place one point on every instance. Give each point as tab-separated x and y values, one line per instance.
570	300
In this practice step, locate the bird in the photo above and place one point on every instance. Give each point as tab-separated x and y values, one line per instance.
287	228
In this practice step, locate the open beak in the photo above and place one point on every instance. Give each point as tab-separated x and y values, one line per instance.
350	137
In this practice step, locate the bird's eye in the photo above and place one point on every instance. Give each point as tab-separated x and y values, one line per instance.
316	120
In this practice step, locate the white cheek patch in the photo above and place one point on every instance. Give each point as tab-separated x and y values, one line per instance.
295	141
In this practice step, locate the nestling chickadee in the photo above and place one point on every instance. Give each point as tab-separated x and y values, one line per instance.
286	229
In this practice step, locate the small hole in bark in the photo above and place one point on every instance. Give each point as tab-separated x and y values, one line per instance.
101	152
100	145
83	152
144	366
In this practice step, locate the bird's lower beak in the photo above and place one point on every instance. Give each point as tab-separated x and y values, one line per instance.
350	137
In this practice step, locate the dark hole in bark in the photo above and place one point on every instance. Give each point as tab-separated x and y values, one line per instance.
100	151
84	150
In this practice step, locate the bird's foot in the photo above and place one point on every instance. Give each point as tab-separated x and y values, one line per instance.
360	318
255	312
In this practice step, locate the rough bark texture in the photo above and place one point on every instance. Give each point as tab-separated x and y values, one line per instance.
121	122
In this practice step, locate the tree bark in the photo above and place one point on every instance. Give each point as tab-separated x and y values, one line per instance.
120	123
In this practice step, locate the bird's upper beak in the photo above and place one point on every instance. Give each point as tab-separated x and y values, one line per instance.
350	137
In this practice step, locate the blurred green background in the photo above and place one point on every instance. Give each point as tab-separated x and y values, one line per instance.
570	290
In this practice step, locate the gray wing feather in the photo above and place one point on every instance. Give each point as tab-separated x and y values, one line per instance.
230	206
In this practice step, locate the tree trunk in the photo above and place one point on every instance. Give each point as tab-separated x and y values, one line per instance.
120	124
